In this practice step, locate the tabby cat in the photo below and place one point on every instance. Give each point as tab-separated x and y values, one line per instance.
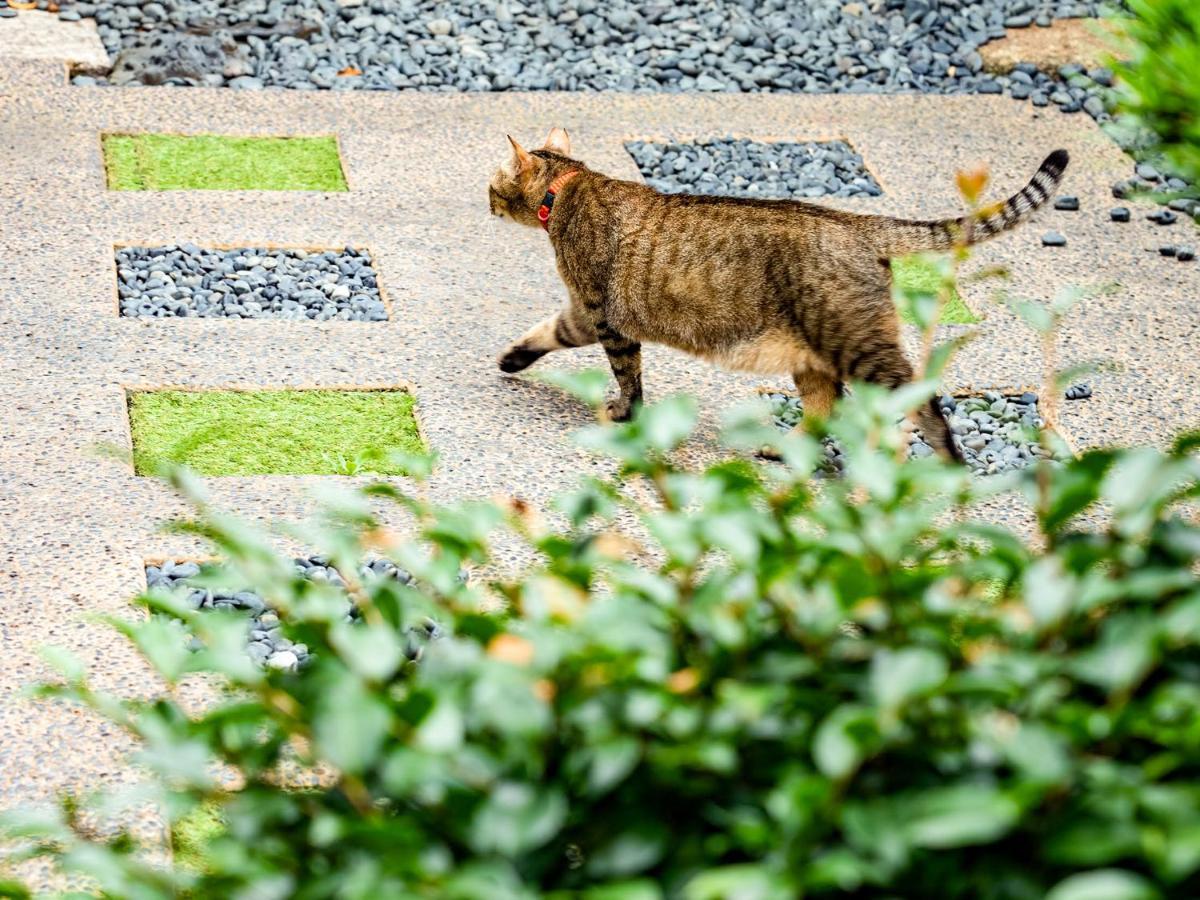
767	286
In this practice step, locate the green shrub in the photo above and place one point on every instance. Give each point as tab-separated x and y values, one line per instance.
1161	80
778	691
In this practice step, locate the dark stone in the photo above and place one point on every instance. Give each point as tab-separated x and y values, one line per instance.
170	55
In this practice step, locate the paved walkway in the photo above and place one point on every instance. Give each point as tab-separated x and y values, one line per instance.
76	527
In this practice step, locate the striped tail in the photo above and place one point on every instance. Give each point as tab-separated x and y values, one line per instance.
900	236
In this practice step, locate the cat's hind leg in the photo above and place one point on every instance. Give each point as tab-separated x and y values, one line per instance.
558	332
817	391
888	366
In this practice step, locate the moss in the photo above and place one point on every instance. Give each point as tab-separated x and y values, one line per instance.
287	432
915	273
171	162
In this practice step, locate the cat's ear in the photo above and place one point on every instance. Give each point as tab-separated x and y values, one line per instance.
521	158
558	141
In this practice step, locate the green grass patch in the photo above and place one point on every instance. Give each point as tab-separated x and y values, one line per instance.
211	162
193	833
916	274
291	432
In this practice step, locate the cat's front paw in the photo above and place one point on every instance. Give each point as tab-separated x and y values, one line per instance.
619	410
519	357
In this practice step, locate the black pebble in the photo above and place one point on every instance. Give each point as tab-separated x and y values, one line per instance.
1053	239
1119	214
1185	254
1167	250
1067	204
1163	217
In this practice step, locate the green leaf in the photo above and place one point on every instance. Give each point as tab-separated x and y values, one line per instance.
1037	316
442	730
224	637
749	881
1049	591
841	741
627	890
1039	753
63	661
1126	651
667	423
958	816
1104	884
611	763
372	650
629	851
900	675
516	818
161	640
350	724
588	385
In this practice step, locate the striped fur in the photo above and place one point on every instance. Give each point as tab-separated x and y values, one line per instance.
766	286
898	237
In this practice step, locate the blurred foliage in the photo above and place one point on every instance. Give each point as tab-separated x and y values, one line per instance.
778	691
1161	79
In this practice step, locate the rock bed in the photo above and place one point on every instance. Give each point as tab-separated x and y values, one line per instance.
745	168
701	45
994	432
265	643
248	283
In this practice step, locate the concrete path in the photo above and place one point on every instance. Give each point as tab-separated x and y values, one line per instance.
76	527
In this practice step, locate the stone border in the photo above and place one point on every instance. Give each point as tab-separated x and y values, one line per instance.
128	390
380	285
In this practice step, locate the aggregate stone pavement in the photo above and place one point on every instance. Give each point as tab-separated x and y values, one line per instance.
76	527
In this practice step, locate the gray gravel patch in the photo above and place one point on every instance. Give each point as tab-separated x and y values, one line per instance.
266	642
746	168
185	280
695	45
995	433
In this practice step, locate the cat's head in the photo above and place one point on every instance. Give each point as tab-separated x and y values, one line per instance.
516	190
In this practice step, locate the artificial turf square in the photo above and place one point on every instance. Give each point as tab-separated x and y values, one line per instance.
276	432
213	162
916	273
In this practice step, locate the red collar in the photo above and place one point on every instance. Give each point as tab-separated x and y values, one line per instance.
556	185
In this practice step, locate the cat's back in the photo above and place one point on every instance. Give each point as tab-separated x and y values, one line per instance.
698	226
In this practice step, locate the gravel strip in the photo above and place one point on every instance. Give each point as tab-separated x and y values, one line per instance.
265	642
701	45
745	168
994	432
248	283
